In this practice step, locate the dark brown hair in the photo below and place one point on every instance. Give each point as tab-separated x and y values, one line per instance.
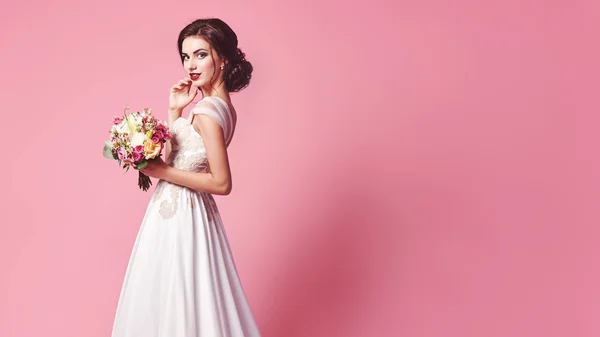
224	41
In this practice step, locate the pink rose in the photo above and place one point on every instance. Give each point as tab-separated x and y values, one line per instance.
155	139
122	153
138	153
137	156
117	120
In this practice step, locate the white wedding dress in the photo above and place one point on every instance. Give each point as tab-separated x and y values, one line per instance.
181	280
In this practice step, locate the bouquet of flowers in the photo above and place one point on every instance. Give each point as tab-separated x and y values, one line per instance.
135	139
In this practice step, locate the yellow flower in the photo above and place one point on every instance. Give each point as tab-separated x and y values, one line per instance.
151	150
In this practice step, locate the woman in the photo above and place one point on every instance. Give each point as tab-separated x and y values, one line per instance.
181	280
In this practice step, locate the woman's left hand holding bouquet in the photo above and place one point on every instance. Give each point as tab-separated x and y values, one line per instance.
156	168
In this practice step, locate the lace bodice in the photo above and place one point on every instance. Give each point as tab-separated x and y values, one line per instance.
187	148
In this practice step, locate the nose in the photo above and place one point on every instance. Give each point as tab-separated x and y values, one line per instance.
191	66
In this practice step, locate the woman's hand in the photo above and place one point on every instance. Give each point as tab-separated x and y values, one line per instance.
156	168
182	94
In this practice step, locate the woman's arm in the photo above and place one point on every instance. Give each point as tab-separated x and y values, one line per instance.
202	182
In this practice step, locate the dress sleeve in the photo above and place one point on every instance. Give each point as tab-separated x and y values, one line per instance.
212	113
218	112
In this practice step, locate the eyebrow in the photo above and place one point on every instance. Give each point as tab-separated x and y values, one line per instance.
195	51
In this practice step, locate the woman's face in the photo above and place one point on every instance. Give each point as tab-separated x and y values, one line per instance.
200	61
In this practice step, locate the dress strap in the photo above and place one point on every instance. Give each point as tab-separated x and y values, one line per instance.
221	114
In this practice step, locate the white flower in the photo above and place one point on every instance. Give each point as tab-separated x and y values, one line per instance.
122	128
137	139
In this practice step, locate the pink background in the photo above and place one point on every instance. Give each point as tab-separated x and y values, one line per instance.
400	169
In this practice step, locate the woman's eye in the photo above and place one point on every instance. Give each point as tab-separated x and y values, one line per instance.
202	55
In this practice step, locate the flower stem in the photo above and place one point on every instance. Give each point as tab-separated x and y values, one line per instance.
144	181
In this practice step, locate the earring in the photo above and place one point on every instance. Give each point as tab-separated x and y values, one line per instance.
222	66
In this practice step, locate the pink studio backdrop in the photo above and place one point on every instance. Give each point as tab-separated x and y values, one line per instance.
400	169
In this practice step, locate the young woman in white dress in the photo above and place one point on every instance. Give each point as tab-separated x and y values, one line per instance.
181	280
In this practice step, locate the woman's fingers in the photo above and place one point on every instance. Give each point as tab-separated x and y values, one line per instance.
181	84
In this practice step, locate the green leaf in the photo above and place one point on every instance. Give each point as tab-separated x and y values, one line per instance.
108	150
142	165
